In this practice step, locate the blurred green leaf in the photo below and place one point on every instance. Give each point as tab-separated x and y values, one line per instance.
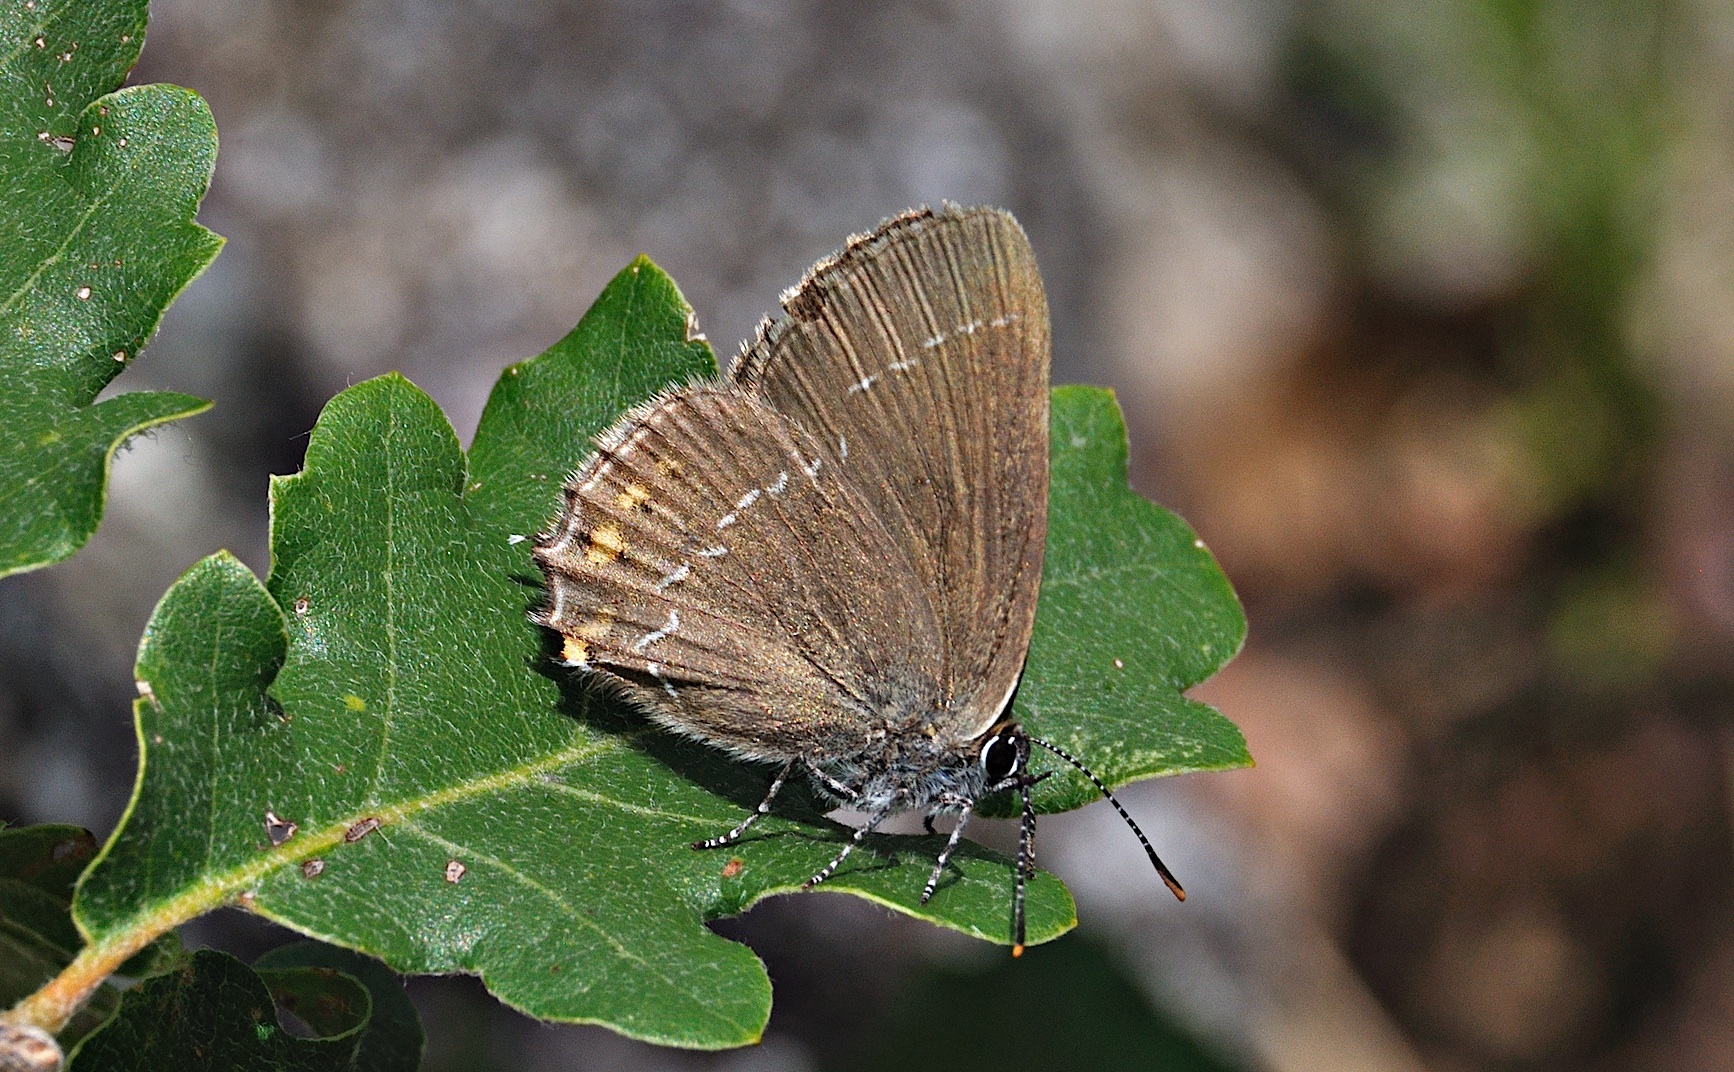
1611	631
1064	1006
1506	176
38	867
100	189
35	892
214	1013
49	857
298	976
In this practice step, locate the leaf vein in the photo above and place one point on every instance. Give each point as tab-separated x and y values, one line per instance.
96	204
571	912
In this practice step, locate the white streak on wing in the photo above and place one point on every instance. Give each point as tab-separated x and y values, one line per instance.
864	384
567	535
748	499
903	366
842	449
781	483
713	552
937	340
664	633
726	520
675	577
813	469
655	670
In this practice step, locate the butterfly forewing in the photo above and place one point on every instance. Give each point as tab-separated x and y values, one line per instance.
918	359
712	559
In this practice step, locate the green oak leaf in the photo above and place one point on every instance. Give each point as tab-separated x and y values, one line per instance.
215	1012
462	806
99	190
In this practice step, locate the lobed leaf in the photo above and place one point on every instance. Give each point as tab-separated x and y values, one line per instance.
529	832
98	189
460	805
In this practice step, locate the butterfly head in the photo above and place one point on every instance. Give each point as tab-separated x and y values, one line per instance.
1002	756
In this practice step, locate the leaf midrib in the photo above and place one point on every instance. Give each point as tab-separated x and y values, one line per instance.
220	887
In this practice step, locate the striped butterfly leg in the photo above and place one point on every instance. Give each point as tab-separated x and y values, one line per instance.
758	813
833	786
1026	866
950	844
861	832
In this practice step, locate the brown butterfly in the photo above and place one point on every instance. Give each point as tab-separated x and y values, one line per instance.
829	559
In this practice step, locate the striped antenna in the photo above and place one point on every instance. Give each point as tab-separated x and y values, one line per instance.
1161	868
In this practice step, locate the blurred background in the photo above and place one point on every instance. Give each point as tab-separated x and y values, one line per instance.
1422	313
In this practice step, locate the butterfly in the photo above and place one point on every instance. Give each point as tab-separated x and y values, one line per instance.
829	559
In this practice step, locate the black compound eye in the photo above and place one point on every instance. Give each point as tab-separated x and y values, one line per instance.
999	758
